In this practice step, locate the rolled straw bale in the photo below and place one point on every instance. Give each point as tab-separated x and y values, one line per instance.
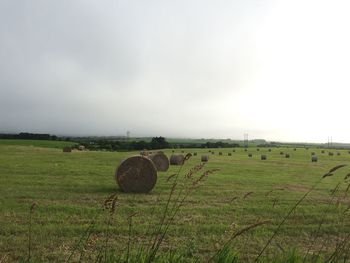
176	159
67	149
313	158
204	158
263	157
136	174
160	160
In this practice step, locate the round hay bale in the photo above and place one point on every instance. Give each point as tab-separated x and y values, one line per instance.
160	161
269	150
81	148
204	158
245	149
229	154
173	151
257	149
136	174
182	151
212	153
263	157
220	153
314	158
287	155
295	149
234	150
67	149
194	154
209	150
250	155
313	153
281	153
330	154
177	159
322	151
348	152
338	153
307	148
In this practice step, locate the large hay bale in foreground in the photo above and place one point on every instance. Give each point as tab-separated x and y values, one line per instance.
136	174
160	161
205	158
67	149
314	158
263	157
177	159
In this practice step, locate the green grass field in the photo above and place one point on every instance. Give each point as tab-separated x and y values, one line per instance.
69	189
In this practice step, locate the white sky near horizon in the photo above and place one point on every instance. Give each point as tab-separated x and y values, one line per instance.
277	70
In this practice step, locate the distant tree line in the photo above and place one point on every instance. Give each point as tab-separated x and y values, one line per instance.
29	136
95	143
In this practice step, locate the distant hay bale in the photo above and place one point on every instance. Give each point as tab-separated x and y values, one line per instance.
229	154
295	149
338	153
257	149
182	151
250	155
287	155
136	174
204	158
81	147
67	149
313	158
160	161
144	153
220	153
209	150
177	159
307	148
281	153
212	152
245	149
173	151
330	154
234	150
269	150
194	154
263	157
322	151
313	153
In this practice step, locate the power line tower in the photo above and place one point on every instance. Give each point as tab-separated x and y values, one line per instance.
245	142
128	135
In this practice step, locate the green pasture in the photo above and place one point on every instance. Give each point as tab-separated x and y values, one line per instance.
70	188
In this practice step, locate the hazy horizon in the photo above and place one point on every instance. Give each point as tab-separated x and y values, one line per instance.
277	70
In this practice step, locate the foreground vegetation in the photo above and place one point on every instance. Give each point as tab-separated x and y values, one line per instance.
69	222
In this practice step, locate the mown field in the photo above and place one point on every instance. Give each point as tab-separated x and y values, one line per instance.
70	188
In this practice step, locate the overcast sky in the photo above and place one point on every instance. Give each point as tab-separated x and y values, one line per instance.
278	70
